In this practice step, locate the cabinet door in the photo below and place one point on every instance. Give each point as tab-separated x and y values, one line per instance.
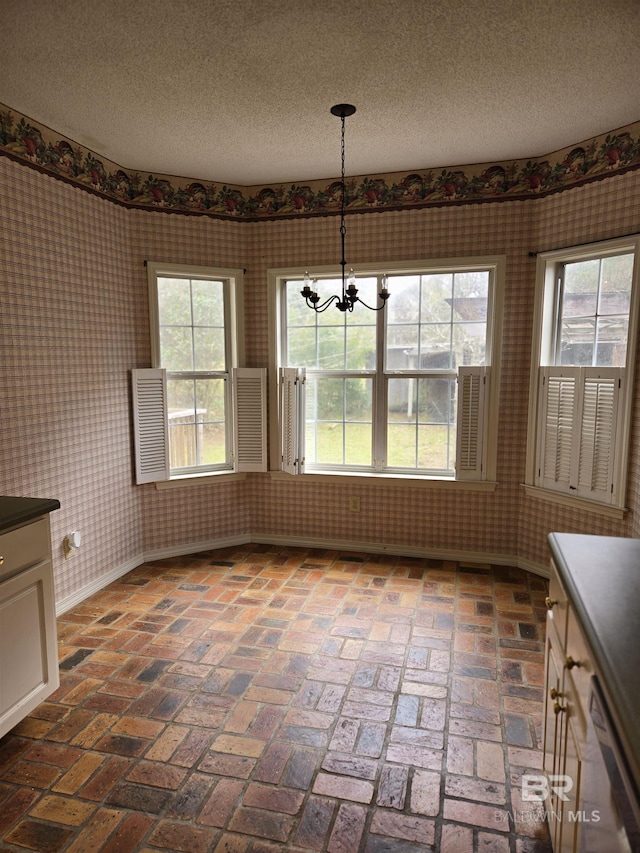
571	814
554	721
28	653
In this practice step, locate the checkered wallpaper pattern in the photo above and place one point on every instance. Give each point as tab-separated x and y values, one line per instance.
75	321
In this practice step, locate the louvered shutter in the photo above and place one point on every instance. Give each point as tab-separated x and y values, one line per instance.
578	421
558	395
292	418
600	400
150	426
250	421
472	389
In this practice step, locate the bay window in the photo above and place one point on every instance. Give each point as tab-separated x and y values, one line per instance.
410	390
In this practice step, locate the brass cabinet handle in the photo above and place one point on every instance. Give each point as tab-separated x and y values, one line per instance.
570	662
1	561
554	693
549	602
557	707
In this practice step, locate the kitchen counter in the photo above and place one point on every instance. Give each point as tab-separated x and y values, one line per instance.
601	577
19	510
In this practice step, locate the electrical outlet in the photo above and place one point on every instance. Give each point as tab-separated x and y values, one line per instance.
354	504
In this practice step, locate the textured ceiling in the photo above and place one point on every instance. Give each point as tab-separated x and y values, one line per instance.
239	91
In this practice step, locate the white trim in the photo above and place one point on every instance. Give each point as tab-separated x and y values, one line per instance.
400	481
575	503
206	479
96	585
196	547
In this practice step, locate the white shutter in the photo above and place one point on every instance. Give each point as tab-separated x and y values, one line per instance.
250	418
578	421
150	427
558	407
601	397
472	390
292	418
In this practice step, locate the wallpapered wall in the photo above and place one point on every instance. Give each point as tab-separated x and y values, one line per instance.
75	320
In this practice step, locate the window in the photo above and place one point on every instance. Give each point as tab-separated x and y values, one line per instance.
384	391
199	412
583	352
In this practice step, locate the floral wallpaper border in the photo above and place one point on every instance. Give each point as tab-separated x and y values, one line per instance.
617	151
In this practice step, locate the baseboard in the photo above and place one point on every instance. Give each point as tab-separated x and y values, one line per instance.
195	547
84	592
481	557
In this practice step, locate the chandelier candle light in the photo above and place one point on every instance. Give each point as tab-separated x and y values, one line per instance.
350	292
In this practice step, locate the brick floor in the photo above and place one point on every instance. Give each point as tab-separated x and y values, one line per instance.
261	698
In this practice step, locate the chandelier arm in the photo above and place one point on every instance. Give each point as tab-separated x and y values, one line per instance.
323	307
370	307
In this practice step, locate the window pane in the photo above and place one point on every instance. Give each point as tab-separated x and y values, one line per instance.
435	400
401	445
470	295
212	440
435	347
174	301
577	340
436	301
402	341
329	444
209	348
611	347
301	346
208	304
469	343
358	398
210	400
401	399
182	422
404	304
331	355
580	288
182	444
176	348
361	347
181	398
196	422
298	312
330	399
615	287
357	444
434	448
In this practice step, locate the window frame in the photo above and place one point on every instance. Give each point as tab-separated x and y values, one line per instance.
277	340
545	332
233	302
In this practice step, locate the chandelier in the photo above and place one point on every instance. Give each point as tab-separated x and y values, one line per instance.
349	295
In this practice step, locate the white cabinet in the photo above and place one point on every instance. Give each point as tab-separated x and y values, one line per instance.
28	642
568	673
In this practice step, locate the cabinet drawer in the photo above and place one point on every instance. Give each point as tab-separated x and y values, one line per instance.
581	671
557	606
24	547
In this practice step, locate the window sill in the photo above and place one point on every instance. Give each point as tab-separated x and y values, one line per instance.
575	503
387	480
186	481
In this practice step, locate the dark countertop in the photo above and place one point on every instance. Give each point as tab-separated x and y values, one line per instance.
18	510
601	576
